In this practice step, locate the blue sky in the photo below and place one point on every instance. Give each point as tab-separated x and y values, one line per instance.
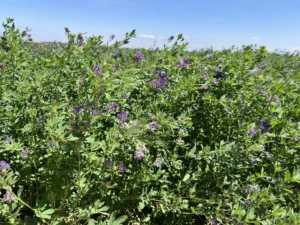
216	23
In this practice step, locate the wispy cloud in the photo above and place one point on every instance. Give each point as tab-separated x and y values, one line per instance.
146	36
255	38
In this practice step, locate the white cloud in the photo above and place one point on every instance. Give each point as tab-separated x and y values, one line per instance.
147	36
255	38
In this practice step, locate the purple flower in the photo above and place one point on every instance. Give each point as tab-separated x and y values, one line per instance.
254	71
84	71
209	56
171	39
95	112
205	75
262	65
158	163
181	66
253	188
4	167
185	60
75	126
25	153
274	100
76	110
119	54
261	91
51	144
89	105
274	182
297	139
270	156
114	106
122	117
41	118
2	66
215	222
205	87
264	124
121	167
154	126
286	70
220	60
108	163
9	139
112	37
216	81
139	56
139	154
179	141
253	159
252	132
8	197
80	80
124	95
97	69
29	38
161	82
218	69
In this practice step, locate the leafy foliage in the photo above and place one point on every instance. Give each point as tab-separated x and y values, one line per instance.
95	133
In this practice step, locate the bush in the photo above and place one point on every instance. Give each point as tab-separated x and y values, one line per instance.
94	133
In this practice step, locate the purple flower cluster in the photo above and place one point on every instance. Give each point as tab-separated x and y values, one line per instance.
179	141
253	188
51	144
9	139
29	38
252	132
139	154
97	69
264	124
24	153
274	100
255	71
262	65
122	117
8	197
183	63
124	95
84	71
209	56
205	87
154	126
160	82
118	54
205	75
88	105
261	91
138	56
112	37
121	167
41	119
95	112
113	107
108	163
171	39
76	110
158	162
4	167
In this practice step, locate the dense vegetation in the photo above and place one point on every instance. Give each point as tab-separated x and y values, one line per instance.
94	133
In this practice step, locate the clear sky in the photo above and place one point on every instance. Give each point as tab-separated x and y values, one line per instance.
217	23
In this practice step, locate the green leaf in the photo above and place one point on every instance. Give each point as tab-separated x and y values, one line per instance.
186	177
